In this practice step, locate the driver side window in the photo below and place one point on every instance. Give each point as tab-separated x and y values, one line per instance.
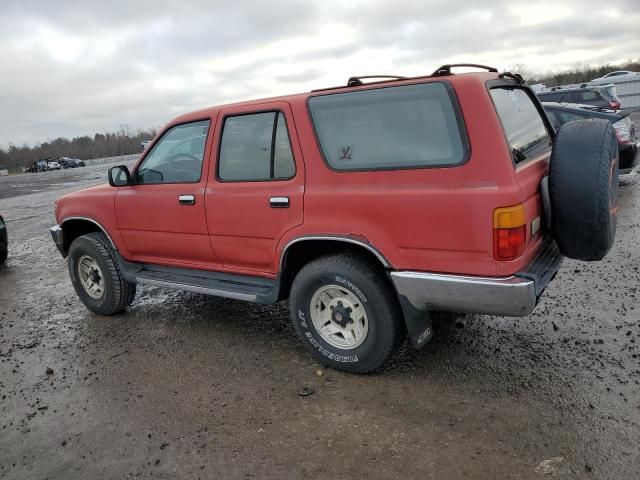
177	156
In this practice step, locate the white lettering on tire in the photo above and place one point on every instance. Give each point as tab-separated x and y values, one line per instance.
328	354
303	322
355	289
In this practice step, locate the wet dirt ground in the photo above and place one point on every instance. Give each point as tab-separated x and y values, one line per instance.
189	386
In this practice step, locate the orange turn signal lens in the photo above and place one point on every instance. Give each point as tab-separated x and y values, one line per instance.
509	217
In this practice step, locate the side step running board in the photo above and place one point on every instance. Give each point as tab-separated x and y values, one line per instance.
237	287
191	287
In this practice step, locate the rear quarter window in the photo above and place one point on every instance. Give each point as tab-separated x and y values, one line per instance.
409	126
524	128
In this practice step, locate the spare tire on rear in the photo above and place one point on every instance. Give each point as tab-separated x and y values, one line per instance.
583	188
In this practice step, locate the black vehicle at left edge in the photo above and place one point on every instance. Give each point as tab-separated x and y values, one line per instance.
4	240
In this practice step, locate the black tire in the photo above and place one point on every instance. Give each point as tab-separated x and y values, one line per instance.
117	293
368	285
583	188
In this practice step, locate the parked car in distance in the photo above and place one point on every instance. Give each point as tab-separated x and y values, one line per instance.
628	142
40	165
53	165
67	162
4	241
367	205
600	96
618	75
144	144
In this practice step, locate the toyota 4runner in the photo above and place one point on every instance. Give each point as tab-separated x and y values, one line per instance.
366	205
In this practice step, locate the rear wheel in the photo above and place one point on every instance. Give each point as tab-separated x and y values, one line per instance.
96	277
346	313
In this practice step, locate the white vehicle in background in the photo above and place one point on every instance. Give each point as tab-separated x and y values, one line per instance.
618	75
144	144
53	165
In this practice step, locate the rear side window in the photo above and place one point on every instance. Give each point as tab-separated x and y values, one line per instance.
551	97
409	126
255	147
522	123
587	96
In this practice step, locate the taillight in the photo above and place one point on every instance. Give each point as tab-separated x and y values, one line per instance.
622	131
509	232
614	104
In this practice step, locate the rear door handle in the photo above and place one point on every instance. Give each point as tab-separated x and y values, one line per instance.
279	202
187	200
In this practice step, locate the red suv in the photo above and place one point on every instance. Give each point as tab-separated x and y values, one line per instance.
366	205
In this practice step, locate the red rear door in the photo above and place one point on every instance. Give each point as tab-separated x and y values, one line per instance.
256	187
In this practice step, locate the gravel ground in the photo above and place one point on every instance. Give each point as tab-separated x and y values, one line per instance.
189	386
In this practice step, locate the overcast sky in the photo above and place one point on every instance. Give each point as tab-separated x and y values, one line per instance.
71	68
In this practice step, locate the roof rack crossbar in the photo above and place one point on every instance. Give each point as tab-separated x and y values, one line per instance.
446	69
356	81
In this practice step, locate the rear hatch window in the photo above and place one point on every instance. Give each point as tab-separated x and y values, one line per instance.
522	123
408	126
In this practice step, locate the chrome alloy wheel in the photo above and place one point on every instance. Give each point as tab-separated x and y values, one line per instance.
91	277
339	317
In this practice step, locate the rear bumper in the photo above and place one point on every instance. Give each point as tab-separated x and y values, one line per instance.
516	295
58	239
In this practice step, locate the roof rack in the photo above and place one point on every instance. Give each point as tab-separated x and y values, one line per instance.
516	76
357	81
446	69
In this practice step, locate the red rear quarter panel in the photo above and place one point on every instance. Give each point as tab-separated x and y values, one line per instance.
430	219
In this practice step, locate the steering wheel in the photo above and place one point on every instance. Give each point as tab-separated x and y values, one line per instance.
190	171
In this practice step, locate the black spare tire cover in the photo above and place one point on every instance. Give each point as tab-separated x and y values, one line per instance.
583	188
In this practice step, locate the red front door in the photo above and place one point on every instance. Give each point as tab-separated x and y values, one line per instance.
161	217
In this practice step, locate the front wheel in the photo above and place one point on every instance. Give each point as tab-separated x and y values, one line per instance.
96	277
346	313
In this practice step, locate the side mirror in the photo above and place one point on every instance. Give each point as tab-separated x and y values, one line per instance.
119	176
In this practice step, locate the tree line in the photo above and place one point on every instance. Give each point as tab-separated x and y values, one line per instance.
122	142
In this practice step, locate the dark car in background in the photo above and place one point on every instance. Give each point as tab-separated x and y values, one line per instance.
67	162
3	240
599	96
628	142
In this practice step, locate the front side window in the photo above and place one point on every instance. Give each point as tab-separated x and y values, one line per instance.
255	147
409	126
522	123
177	157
